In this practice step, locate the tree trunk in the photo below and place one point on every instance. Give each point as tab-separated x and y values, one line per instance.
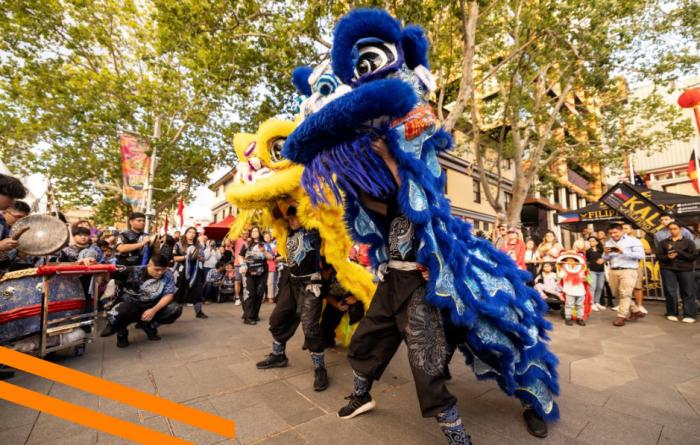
465	86
521	187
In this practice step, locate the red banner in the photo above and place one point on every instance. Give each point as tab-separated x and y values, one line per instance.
135	167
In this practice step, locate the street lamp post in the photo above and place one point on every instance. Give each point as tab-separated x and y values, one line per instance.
150	213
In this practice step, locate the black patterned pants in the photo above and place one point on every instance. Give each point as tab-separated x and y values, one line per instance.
295	304
253	293
129	311
399	312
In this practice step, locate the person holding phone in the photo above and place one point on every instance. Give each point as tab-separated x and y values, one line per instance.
623	254
676	256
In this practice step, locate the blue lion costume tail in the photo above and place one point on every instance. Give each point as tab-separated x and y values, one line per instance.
499	320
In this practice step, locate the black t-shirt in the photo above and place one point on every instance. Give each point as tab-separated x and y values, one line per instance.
592	255
303	252
684	247
255	259
134	257
403	244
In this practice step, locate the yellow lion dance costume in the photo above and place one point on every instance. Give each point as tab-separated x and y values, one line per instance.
264	180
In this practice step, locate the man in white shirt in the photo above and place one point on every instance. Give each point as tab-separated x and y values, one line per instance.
623	254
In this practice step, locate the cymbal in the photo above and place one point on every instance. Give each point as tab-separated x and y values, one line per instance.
40	234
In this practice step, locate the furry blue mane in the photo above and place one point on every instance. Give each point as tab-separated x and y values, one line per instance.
338	122
300	79
359	23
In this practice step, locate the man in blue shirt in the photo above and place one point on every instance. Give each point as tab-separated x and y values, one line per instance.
147	299
623	254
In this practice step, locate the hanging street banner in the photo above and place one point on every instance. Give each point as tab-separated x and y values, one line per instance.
634	207
135	167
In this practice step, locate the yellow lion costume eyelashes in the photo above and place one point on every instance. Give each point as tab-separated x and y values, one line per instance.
265	180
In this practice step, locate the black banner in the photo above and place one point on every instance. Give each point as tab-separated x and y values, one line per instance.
634	207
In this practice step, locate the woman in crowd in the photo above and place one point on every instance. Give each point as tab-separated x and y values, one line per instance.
188	258
596	267
550	248
253	259
211	257
271	248
531	260
226	250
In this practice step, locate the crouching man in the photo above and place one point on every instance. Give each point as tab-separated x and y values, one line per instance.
147	300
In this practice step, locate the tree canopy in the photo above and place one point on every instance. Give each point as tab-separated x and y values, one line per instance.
532	81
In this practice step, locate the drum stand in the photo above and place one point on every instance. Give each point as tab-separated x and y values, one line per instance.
58	326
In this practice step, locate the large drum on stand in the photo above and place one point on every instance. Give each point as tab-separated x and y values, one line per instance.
21	302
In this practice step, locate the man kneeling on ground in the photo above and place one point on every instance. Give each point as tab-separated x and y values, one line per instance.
147	300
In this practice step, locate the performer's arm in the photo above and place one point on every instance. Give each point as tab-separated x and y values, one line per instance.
380	147
150	313
126	248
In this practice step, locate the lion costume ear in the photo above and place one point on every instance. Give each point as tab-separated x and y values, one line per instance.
300	79
241	141
415	46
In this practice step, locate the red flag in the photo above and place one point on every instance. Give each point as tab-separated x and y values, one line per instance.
693	171
181	211
165	225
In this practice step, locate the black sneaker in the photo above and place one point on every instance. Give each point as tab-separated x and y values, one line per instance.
569	322
535	424
201	315
107	331
273	361
357	405
320	379
122	342
581	322
151	332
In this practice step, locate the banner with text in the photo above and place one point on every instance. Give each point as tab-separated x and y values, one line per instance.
634	207
135	167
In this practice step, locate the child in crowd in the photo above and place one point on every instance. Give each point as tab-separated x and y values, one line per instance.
573	276
213	281
547	284
227	286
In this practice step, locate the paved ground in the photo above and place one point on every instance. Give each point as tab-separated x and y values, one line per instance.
635	385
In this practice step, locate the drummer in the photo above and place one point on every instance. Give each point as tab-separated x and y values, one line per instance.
148	299
12	259
10	190
81	251
131	243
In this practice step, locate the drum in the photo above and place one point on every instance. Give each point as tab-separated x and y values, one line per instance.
21	294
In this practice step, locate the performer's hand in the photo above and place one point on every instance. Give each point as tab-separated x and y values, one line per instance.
424	271
148	315
380	147
350	300
8	244
87	261
600	261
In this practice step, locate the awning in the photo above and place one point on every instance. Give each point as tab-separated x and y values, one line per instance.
683	208
217	231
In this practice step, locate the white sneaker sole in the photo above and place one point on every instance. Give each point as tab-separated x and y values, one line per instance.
369	406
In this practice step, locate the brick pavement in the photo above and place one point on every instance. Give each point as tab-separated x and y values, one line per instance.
634	385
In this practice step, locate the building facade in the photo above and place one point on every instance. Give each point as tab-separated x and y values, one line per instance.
221	207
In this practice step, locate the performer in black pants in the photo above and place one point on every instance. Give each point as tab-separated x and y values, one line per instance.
299	300
253	260
147	299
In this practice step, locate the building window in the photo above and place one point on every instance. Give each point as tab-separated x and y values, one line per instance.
476	184
508	199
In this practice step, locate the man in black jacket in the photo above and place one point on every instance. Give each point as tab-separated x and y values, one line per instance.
676	257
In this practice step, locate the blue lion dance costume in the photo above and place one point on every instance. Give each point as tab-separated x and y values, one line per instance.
495	319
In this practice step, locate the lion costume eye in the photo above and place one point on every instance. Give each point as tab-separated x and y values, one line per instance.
326	85
276	149
374	56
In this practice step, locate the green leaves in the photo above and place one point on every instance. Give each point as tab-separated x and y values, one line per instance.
74	74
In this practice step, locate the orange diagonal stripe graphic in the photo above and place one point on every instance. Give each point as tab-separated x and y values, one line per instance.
117	392
86	417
